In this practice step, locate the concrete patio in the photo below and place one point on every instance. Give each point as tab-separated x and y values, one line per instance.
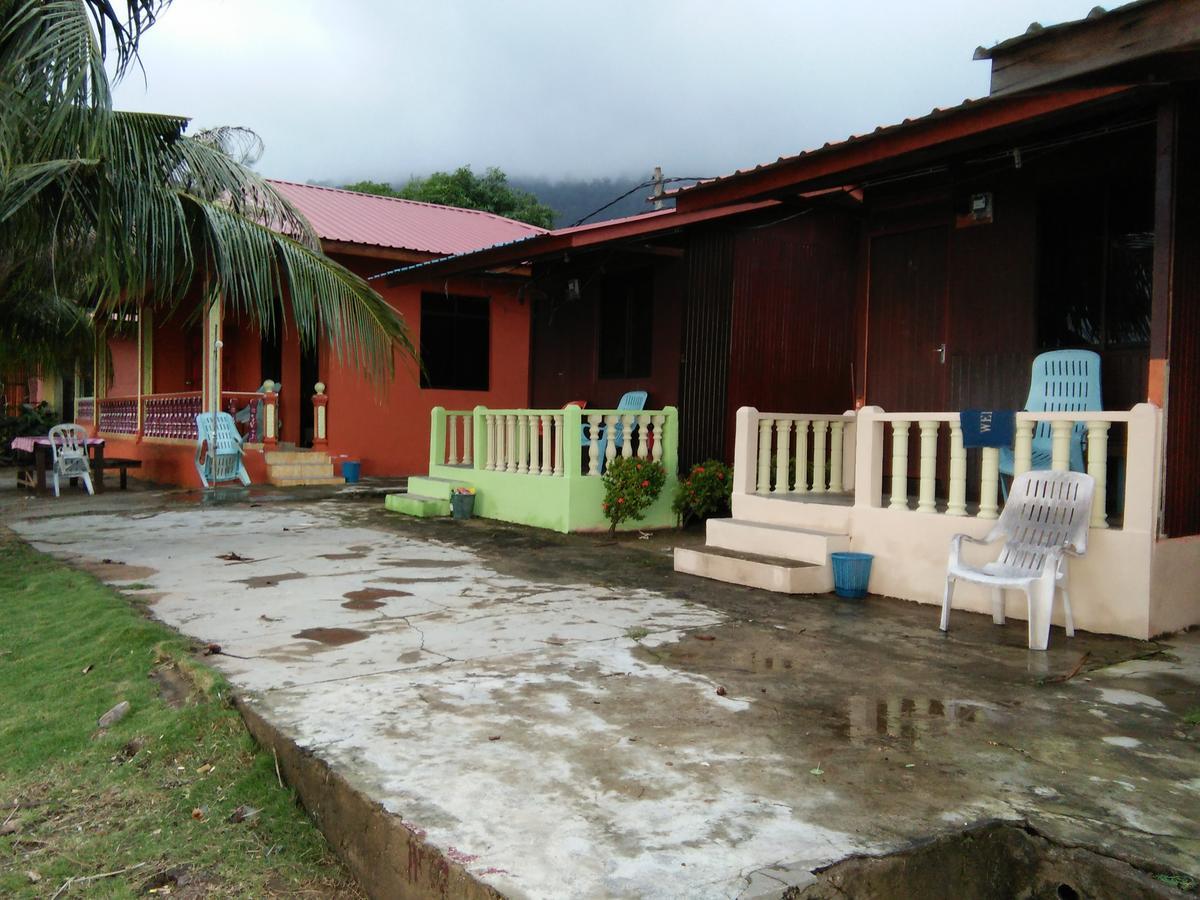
470	708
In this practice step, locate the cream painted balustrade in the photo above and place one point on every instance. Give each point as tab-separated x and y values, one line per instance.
85	409
933	431
790	455
550	443
458	449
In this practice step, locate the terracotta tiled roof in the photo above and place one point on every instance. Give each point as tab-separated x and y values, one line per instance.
369	219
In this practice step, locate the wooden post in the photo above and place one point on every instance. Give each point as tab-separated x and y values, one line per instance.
320	437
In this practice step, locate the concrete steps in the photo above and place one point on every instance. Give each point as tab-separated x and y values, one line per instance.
426	497
770	573
780	558
294	468
417	505
761	538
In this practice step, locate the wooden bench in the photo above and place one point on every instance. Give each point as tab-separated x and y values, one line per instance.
124	465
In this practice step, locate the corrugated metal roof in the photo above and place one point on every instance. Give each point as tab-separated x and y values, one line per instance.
369	219
1037	30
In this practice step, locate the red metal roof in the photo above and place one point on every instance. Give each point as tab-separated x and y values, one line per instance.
886	142
372	220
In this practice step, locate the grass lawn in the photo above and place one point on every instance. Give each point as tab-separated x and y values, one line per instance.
153	794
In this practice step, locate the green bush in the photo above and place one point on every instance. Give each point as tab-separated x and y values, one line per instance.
630	486
704	492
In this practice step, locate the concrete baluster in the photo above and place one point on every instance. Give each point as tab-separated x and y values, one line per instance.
1023	446
763	485
801	485
490	421
783	454
594	420
452	431
547	444
610	431
957	505
926	496
510	443
534	444
468	440
899	466
1097	467
1061	433
989	483
627	421
559	468
837	435
523	444
643	435
820	428
659	438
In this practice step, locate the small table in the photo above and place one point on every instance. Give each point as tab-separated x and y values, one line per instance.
42	459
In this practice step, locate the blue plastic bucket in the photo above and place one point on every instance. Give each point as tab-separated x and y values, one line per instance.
351	469
851	574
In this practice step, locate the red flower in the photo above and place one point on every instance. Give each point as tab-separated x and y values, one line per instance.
620	499
645	484
700	470
639	468
721	475
604	506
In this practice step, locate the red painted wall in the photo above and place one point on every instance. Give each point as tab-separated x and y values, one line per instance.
388	427
177	362
123	353
385	426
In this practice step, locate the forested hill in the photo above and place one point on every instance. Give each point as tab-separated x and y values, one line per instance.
573	199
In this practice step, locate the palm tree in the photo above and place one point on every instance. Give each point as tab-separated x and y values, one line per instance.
101	209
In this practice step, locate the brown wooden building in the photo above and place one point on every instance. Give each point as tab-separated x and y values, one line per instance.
921	266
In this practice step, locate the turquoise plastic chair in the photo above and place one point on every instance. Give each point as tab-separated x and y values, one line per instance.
1062	381
630	400
224	461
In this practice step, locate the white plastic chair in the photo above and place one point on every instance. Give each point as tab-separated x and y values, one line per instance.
1043	523
68	446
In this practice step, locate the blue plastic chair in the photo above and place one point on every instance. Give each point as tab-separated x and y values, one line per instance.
222	462
630	400
1062	381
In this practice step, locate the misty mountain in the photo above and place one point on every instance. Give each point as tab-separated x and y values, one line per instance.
572	199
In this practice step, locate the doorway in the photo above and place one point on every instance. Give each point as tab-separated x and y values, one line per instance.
906	319
310	369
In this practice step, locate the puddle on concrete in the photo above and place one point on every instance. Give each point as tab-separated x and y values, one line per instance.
331	637
361	604
992	861
110	570
375	594
427	563
906	718
435	578
353	554
262	581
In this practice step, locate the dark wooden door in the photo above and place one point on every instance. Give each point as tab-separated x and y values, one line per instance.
906	353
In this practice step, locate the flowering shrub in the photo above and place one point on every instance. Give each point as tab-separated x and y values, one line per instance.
704	492
630	486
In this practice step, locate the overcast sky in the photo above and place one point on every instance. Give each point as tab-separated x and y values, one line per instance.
347	89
